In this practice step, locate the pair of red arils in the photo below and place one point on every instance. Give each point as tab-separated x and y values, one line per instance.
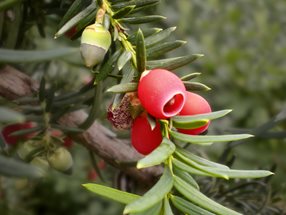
163	95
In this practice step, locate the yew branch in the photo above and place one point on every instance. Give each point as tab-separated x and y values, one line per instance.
15	84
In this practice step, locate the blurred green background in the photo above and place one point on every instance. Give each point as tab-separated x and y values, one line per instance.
244	45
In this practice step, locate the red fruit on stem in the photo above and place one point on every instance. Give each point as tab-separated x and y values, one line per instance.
101	164
143	138
9	129
56	133
161	93
71	32
92	175
195	104
68	142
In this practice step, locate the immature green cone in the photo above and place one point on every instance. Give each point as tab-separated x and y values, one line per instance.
41	163
28	149
95	42
61	160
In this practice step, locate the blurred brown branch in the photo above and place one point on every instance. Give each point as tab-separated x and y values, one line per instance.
15	84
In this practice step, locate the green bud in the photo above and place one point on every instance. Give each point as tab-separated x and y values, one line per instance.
95	42
61	160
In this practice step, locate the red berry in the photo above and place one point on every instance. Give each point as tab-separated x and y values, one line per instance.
195	104
56	133
92	175
8	130
143	138
68	142
161	93
101	164
71	32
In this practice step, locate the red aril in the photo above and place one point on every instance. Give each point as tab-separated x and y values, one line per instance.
9	129
161	93
143	138
195	104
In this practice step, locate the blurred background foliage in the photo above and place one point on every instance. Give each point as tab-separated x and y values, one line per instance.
244	45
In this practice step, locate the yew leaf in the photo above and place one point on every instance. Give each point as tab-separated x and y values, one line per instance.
123	12
187	177
76	19
190	76
188	207
172	63
200	160
200	199
140	52
159	37
192	125
189	121
214	171
142	19
195	86
27	131
8	115
128	73
146	32
161	49
14	168
185	167
154	210
153	196
167	207
123	88
201	140
159	155
72	11
235	173
111	193
197	169
123	59
108	67
25	56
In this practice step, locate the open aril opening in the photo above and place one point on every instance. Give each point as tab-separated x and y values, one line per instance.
174	105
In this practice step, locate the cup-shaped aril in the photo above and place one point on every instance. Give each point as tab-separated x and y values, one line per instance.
95	42
195	104
143	138
161	93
